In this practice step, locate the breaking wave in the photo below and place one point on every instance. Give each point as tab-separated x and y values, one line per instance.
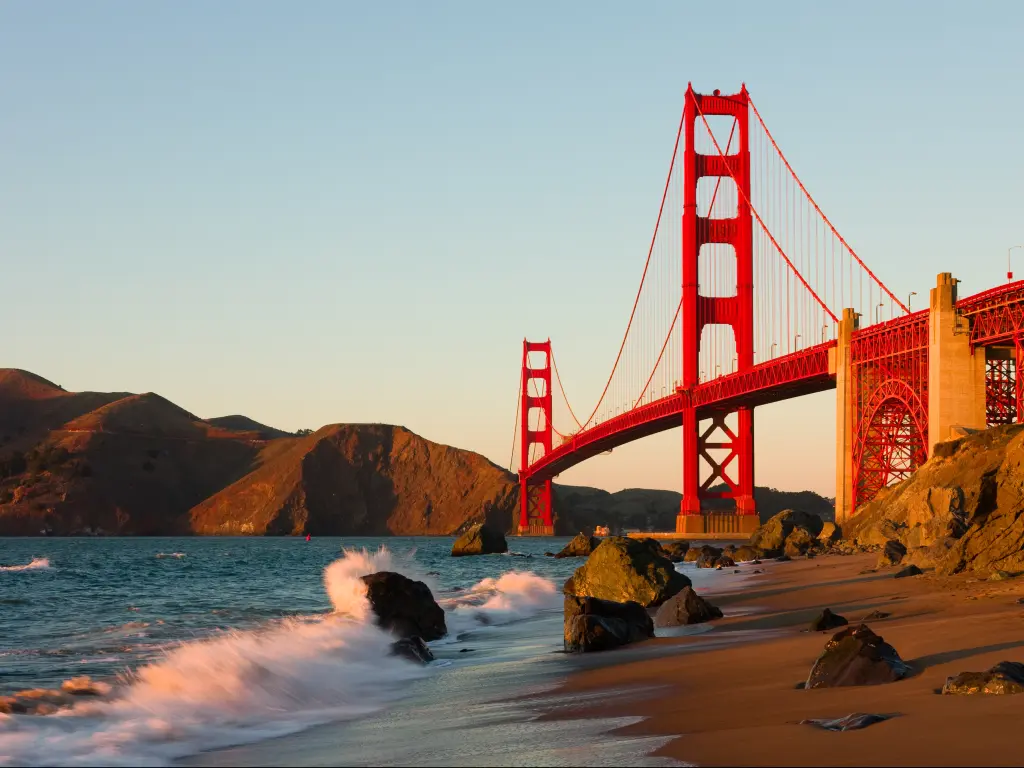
37	564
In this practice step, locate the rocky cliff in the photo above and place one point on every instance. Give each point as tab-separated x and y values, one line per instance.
962	510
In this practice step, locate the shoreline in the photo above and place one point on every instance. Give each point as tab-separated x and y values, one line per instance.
737	702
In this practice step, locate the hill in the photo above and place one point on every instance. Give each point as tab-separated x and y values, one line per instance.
119	463
245	424
580	507
362	480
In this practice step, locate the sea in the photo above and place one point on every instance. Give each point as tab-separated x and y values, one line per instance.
263	651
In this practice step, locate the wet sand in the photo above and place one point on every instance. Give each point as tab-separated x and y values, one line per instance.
739	705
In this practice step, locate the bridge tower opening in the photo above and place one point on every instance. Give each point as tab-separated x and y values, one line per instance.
736	310
535	512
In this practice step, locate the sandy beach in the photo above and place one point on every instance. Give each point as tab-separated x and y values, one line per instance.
740	704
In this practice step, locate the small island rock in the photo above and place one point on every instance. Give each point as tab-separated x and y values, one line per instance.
480	539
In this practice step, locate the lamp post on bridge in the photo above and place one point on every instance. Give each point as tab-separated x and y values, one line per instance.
912	293
877	317
771	352
794	341
1009	272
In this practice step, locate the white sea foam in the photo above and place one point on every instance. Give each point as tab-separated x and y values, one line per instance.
37	564
162	555
513	596
235	688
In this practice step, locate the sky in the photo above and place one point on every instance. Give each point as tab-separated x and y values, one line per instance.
328	212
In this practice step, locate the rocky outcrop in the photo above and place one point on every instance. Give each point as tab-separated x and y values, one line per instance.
1006	677
774	533
480	539
592	624
827	620
404	607
892	553
676	550
581	546
963	510
685	607
621	570
856	656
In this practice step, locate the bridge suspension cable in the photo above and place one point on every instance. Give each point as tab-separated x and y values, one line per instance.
821	213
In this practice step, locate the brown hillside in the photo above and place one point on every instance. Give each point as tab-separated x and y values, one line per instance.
134	466
31	406
362	479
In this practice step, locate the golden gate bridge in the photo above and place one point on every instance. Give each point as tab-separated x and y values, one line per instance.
750	295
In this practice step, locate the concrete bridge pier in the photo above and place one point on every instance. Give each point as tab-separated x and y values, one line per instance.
956	376
839	364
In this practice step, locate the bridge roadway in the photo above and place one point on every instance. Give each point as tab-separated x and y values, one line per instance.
787	376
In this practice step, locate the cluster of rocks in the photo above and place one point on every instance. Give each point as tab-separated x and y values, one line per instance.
609	598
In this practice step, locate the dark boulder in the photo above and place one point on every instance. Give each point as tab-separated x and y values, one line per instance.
877	615
892	553
413	649
599	625
910	570
722	561
694	553
773	534
827	620
480	539
581	546
856	656
622	569
676	550
1004	678
404	607
686	607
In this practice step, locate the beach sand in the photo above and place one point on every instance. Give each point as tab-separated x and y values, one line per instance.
739	704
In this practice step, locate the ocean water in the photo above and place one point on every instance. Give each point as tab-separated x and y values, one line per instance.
258	651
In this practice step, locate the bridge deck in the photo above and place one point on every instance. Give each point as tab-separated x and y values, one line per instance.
801	373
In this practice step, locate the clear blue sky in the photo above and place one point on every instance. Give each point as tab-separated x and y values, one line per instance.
325	211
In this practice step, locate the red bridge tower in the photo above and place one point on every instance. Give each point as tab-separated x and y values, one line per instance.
535	514
736	468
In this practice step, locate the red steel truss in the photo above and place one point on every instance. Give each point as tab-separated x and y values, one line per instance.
889	364
1000	391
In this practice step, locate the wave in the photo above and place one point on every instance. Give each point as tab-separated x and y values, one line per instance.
161	555
37	564
513	596
235	688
